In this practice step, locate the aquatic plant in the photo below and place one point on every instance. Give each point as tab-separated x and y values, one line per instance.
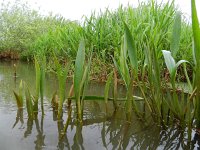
40	67
176	105
81	74
29	103
19	96
128	46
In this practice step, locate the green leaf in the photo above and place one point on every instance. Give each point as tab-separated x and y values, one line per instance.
19	97
176	34
172	65
79	64
132	51
18	100
169	61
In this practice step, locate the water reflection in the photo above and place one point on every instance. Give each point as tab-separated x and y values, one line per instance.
114	130
19	117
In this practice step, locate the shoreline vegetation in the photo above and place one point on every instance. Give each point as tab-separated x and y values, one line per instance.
25	33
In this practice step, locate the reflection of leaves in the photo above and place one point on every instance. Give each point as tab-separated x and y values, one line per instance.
19	117
29	127
174	135
39	142
78	138
62	137
103	135
55	114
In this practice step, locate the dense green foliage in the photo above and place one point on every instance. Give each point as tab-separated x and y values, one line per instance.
21	26
27	32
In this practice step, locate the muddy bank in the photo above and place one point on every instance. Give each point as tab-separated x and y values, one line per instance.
12	55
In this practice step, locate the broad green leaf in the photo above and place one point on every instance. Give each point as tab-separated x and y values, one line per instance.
132	52
169	60
19	97
176	34
172	65
18	100
79	64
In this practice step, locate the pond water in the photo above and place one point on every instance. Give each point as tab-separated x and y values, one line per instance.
100	130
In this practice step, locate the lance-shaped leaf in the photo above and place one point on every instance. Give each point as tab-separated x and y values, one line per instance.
132	52
176	34
79	66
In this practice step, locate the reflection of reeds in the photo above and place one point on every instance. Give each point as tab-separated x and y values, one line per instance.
19	117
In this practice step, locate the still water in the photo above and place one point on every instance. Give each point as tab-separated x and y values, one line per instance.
100	129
